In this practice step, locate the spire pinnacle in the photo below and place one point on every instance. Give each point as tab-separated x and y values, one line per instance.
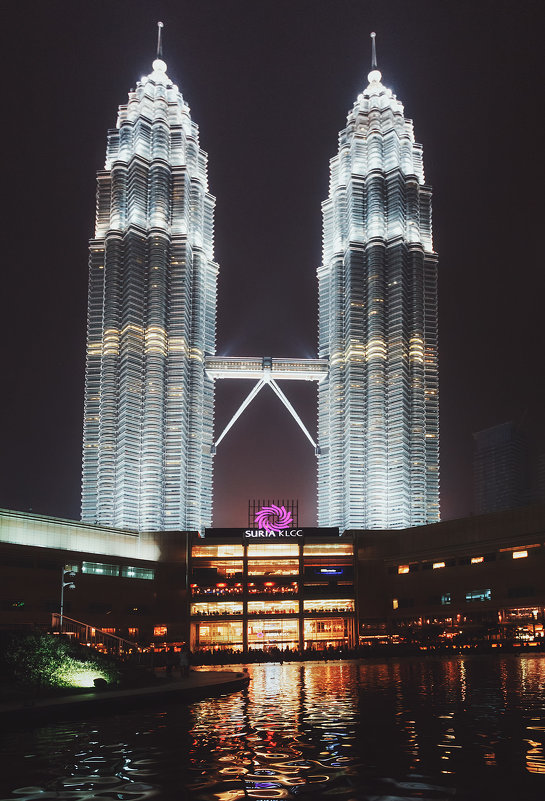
374	52
159	40
375	76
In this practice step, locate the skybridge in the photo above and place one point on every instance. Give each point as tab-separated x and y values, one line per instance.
266	370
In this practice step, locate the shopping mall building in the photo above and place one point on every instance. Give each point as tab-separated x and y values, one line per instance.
252	589
297	589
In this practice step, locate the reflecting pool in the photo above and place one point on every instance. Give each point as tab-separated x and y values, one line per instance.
466	728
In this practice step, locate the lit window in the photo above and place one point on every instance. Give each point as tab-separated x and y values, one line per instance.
159	631
273	549
446	598
395	603
478	595
11	604
137	572
436	565
100	569
217	550
520	554
133	632
403	568
282	567
476	560
327	549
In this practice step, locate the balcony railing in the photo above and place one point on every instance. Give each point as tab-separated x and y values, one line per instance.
97	638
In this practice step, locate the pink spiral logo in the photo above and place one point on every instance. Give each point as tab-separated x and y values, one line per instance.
273	518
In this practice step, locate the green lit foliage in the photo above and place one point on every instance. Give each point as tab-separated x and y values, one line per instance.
46	660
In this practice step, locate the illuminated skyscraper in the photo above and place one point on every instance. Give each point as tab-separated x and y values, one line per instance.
378	409
149	406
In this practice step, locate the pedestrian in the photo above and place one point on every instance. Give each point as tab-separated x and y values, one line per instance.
171	661
184	662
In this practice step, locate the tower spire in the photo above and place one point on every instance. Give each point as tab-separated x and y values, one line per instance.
159	40
374	51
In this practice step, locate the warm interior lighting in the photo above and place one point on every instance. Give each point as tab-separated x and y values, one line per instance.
520	554
403	568
438	564
395	603
476	560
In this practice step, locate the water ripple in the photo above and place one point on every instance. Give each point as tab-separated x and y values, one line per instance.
466	728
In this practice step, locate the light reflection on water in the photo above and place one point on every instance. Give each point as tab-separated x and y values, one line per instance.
466	728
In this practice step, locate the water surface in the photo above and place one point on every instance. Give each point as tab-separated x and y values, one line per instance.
466	728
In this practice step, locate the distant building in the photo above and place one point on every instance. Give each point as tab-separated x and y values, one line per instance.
540	479
500	470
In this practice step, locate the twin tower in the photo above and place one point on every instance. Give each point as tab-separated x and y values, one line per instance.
149	439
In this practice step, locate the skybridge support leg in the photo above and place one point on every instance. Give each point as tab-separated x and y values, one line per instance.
244	405
274	386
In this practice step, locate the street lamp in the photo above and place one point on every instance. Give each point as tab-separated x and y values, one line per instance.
67	581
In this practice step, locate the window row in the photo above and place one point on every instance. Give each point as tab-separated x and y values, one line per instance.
272	549
125	571
212	570
445	599
413	567
274	607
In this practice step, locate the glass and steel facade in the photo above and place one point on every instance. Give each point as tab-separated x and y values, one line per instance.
265	596
148	429
378	463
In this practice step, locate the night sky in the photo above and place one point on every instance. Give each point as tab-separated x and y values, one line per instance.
269	83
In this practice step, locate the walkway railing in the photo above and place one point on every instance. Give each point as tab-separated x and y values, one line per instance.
85	633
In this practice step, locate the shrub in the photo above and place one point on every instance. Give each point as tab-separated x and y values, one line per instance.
52	661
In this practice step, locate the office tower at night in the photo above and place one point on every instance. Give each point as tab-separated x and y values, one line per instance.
500	469
148	428
378	426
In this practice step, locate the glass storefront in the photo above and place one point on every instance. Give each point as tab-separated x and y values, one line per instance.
216	590
282	592
217	635
220	568
272	588
329	549
277	633
215	551
332	632
271	549
215	608
270	567
337	605
275	607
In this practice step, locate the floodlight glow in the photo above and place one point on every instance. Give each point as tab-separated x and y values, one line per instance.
74	673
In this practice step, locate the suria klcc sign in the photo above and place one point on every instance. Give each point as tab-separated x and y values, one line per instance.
273	521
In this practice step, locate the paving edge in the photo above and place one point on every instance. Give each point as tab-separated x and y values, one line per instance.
111	703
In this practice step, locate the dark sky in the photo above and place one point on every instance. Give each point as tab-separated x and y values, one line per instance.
270	83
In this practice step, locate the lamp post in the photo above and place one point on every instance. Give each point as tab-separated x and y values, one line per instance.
67	580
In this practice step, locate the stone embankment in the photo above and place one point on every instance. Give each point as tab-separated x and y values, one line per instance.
198	685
